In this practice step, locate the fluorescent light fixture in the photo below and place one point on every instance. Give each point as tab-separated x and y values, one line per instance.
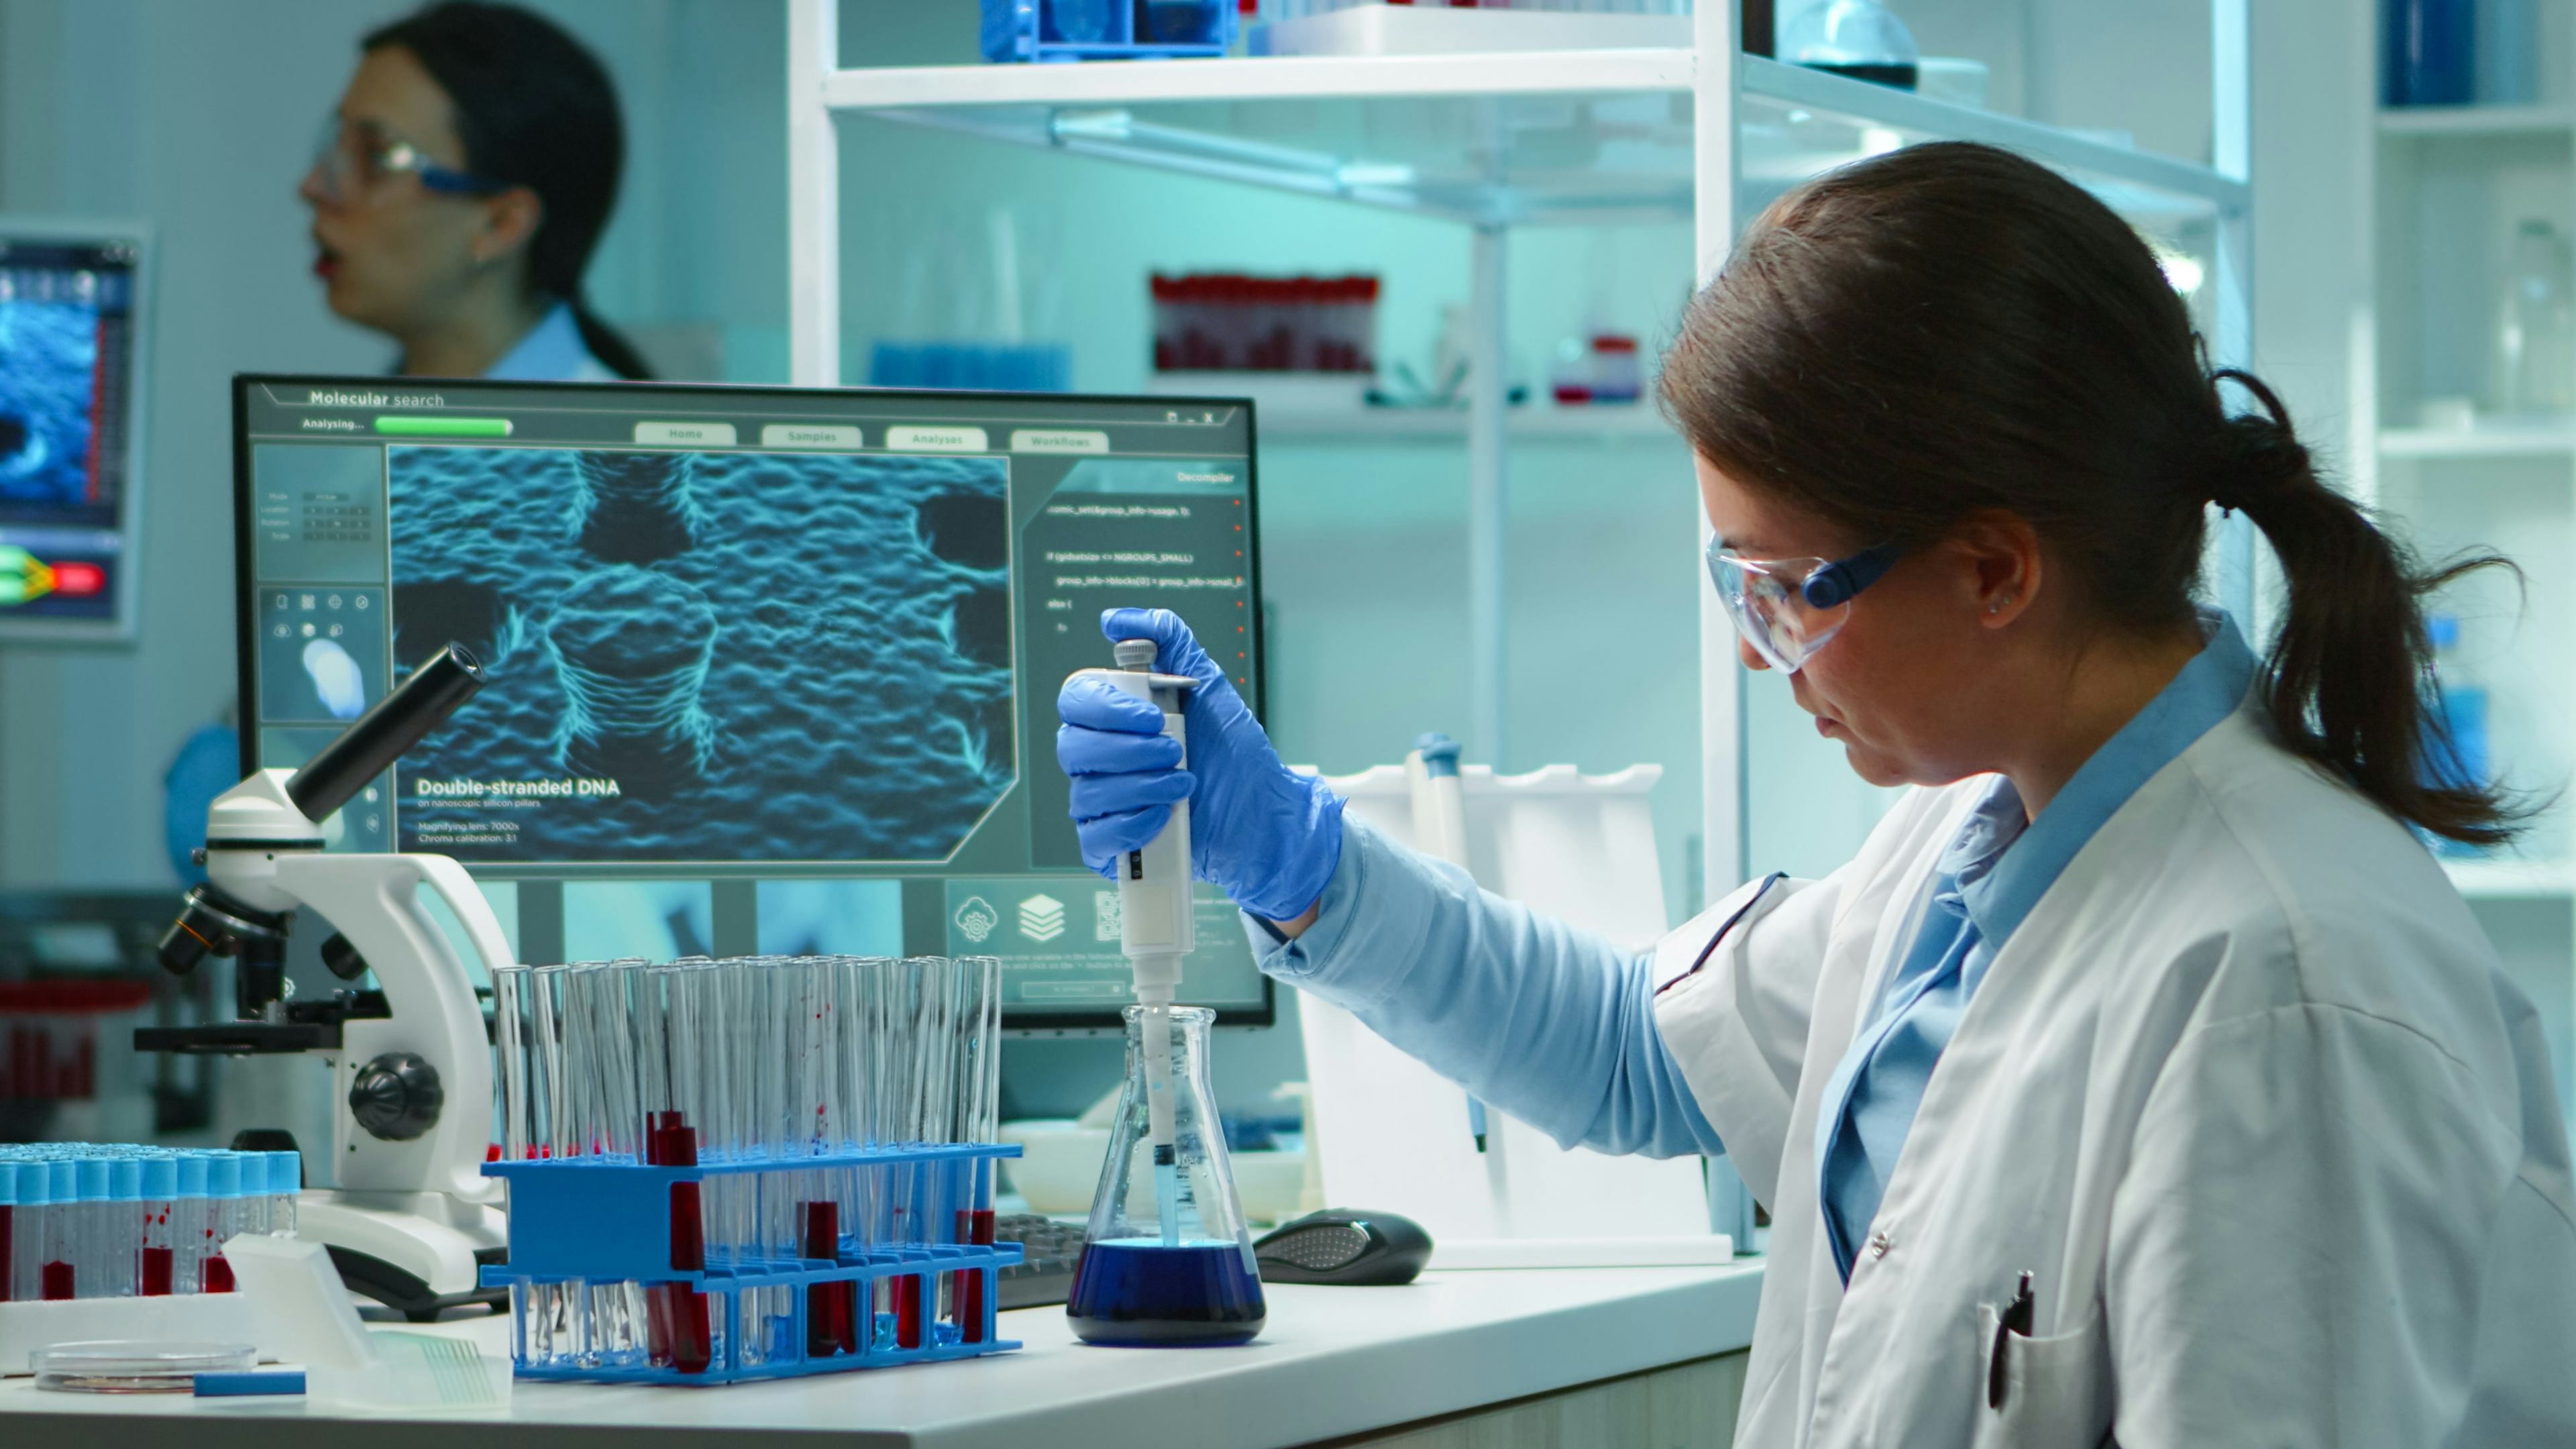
1358	175
1119	131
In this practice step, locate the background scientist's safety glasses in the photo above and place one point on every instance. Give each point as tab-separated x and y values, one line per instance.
354	160
1786	608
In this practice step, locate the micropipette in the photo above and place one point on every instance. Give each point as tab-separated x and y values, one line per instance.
1156	927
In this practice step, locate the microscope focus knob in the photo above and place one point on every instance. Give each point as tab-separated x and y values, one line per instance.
397	1096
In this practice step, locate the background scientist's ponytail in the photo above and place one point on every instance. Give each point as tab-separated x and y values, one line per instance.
1951	328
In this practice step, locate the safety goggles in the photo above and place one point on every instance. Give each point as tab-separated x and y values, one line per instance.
1786	608
357	161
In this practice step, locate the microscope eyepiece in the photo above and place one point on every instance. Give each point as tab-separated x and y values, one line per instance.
362	751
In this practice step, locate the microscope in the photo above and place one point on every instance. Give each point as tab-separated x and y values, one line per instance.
412	1219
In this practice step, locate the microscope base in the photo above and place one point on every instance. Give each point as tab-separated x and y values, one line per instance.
417	1253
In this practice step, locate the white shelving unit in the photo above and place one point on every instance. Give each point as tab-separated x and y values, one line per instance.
2448	186
1493	142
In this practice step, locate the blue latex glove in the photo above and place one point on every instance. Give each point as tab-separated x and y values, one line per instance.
1270	838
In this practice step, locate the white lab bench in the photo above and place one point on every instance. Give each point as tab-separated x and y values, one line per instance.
1602	1355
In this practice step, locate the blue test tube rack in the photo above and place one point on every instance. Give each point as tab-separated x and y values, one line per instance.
1029	30
609	1220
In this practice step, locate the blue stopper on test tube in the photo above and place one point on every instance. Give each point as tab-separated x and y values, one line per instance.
223	1175
192	1175
93	1179
285	1173
160	1178
125	1180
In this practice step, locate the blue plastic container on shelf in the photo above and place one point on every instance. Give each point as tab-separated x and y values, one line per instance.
2428	52
990	366
588	1235
1059	30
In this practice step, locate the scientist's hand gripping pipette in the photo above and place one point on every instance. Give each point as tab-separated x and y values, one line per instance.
1155	925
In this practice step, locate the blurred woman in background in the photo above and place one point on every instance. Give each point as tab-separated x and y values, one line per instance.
459	191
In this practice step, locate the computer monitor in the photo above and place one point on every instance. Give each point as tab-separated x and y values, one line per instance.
771	670
72	308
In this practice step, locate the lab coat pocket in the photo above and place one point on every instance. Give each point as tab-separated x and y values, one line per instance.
2057	1390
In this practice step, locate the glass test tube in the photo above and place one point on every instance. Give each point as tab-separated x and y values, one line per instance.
768	1076
684	1329
223	1189
611	1119
926	1108
187	1224
510	1063
831	1309
947	1028
121	1249
27	1250
555	1332
285	1189
57	1277
92	1230
155	1263
979	1122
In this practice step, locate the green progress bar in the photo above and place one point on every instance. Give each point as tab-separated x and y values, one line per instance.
438	427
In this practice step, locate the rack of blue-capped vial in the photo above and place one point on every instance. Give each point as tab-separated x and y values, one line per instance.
751	1168
121	1220
1062	30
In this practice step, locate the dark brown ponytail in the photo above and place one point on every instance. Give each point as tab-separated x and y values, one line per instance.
2343	676
1951	328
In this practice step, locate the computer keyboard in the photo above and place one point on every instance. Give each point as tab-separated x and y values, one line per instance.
1051	1249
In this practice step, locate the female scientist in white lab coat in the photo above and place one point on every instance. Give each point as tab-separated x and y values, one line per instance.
2143	1077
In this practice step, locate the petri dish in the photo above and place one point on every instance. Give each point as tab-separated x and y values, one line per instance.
131	1366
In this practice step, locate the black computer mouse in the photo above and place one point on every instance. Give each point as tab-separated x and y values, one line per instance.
1344	1246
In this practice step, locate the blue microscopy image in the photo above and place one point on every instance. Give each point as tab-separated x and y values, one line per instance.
830	917
706	656
658	920
48	354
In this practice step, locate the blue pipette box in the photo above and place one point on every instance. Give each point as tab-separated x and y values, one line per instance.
610	1221
1064	30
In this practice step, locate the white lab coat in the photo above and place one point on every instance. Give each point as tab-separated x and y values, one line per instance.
2247	1096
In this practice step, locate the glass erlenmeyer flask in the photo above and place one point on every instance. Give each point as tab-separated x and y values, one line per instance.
1168	1258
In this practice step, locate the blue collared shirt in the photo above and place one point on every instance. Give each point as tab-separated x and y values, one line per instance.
551	351
1988	880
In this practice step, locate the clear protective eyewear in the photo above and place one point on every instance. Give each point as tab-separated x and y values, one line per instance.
356	159
1786	608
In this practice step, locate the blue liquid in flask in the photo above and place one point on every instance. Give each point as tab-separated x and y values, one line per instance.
1138	1293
